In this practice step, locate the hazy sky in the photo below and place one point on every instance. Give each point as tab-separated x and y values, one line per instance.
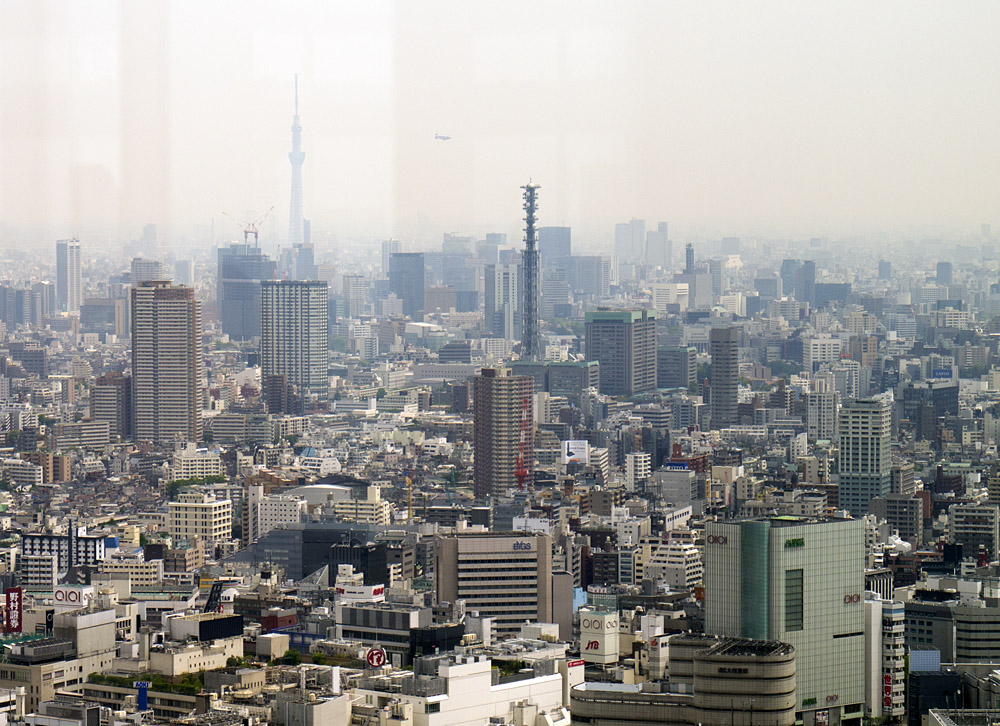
796	118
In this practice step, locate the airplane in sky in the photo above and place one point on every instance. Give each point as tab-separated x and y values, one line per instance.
442	137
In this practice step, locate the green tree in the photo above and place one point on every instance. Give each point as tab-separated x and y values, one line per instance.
319	658
291	657
381	393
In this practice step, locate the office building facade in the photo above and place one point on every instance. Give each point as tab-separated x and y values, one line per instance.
623	342
864	428
676	366
799	581
406	280
503	575
242	268
69	285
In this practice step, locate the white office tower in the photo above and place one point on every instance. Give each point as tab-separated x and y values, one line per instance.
865	427
799	581
69	285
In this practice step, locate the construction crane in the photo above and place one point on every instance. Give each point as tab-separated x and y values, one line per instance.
251	228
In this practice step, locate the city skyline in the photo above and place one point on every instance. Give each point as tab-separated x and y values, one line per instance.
825	105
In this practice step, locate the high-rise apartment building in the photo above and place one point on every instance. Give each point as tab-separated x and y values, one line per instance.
166	363
724	347
864	429
69	285
624	343
821	415
241	270
293	335
503	433
406	280
503	575
799	581
111	401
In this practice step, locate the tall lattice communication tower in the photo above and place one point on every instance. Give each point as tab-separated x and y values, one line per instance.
530	340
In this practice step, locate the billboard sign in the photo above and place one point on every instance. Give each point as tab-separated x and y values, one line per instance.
13	611
576	452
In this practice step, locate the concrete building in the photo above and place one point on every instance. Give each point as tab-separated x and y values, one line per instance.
637	471
196	514
864	432
821	415
166	363
885	650
69	286
799	581
111	401
819	350
554	243
502	300
975	526
724	346
903	513
676	366
462	691
20	472
503	431
624	343
406	280
293	338
55	467
269	511
677	563
190	462
712	682
75	548
369	509
82	435
241	270
503	575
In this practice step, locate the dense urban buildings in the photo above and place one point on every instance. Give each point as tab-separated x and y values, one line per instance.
464	475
